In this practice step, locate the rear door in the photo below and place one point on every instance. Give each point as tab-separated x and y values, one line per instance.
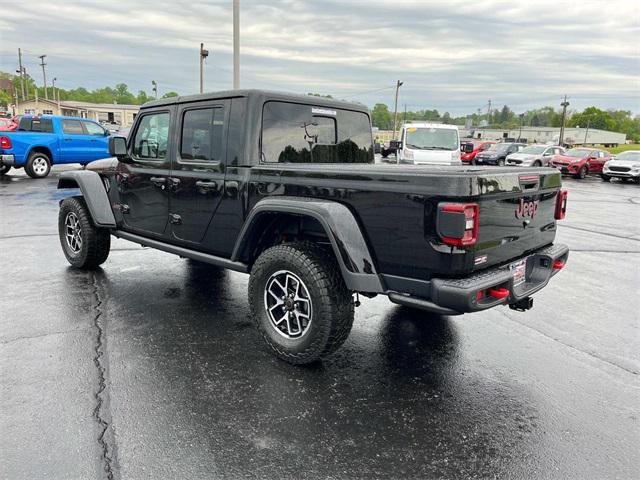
598	158
197	168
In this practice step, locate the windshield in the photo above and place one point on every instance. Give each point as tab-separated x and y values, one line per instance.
533	150
498	147
629	156
577	152
432	138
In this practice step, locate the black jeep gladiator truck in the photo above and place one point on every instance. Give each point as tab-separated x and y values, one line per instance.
285	188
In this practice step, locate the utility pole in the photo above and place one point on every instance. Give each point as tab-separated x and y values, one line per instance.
564	106
404	120
155	88
22	73
587	131
395	110
489	113
44	74
236	44
521	124
203	54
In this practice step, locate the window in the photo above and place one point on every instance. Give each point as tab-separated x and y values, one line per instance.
35	124
295	133
30	111
152	136
202	135
72	127
47	112
94	129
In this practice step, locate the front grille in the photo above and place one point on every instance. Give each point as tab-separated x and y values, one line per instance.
517	162
619	169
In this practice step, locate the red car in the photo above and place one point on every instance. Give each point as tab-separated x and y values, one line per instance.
8	125
469	149
580	161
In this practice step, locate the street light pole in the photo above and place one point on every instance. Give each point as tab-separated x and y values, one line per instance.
587	131
236	44
155	88
564	106
395	109
203	54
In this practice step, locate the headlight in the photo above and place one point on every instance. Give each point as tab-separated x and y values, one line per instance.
635	166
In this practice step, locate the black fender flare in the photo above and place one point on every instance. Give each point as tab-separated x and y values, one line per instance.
94	193
349	245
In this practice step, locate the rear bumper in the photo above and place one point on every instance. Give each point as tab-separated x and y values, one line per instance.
8	159
474	292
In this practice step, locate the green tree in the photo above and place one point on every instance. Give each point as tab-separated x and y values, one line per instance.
170	94
381	117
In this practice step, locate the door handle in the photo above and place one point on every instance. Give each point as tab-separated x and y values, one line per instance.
67	139
174	183
231	188
158	181
203	184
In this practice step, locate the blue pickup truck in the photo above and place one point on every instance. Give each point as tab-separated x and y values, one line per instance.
43	141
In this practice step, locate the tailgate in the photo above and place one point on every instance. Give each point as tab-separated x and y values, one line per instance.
517	215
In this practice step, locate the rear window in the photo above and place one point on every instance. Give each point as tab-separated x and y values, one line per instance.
31	124
297	133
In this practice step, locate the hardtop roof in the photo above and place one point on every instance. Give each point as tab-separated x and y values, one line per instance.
259	96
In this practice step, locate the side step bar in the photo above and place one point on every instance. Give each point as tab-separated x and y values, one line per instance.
421	304
181	251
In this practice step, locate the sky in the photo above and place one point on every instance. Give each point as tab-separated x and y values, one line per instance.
453	56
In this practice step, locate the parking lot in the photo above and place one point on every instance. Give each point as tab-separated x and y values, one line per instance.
151	367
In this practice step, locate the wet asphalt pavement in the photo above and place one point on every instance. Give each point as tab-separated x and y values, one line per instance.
151	369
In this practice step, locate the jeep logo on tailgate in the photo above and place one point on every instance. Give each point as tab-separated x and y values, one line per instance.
527	209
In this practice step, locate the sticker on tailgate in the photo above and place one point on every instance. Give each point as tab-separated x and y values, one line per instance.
518	272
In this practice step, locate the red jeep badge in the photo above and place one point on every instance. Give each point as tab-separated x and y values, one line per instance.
527	209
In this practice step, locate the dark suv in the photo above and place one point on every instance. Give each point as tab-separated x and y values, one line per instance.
284	188
497	153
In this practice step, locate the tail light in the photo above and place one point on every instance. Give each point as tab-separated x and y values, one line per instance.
458	223
5	143
561	204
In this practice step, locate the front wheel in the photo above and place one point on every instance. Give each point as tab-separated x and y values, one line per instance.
38	165
299	302
582	173
501	162
85	245
606	178
537	163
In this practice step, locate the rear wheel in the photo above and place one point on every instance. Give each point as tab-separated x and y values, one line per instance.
4	169
299	302
38	165
85	245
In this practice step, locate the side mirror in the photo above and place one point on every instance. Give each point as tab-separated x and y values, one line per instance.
106	133
117	147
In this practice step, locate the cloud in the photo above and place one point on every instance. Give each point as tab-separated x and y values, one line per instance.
452	55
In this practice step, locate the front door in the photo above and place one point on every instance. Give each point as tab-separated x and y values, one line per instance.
198	169
98	139
74	143
143	182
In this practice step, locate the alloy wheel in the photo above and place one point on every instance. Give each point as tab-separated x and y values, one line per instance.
288	304
73	232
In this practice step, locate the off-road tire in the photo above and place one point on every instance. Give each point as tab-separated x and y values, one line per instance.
4	169
95	242
332	304
38	165
582	173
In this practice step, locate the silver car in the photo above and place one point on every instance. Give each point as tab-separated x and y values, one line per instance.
534	156
625	165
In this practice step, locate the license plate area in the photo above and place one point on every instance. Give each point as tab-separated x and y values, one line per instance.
519	272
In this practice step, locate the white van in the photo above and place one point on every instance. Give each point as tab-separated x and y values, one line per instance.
429	143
